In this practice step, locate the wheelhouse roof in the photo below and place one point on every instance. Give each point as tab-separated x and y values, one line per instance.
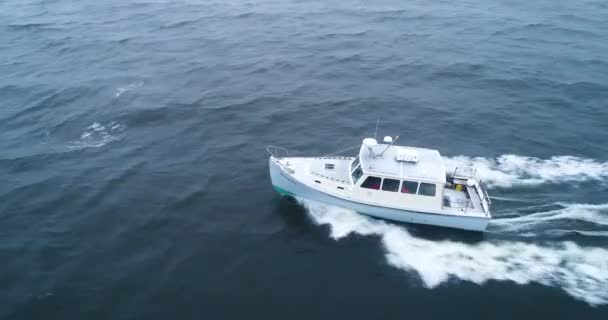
429	166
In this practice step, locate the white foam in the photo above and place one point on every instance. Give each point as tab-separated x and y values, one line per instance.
561	232
508	170
131	86
594	213
97	135
582	272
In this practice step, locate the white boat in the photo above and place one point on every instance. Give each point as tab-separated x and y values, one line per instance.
386	181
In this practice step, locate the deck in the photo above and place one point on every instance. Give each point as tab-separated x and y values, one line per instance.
339	173
464	201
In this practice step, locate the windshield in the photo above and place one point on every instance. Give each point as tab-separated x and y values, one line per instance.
357	174
354	164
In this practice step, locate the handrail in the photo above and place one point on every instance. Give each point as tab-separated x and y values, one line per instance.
469	172
347	149
275	157
480	188
275	152
486	196
272	150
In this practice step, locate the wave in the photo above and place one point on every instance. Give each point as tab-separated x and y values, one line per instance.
593	213
582	272
97	135
179	24
509	170
29	26
563	232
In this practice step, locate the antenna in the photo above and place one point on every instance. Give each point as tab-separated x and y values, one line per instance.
392	142
376	134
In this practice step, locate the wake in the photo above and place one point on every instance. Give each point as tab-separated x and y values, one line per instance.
510	170
582	272
594	213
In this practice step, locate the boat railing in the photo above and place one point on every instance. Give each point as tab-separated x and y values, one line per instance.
341	151
275	151
275	156
279	152
464	173
485	196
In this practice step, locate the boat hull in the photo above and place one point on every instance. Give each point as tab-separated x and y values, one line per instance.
286	184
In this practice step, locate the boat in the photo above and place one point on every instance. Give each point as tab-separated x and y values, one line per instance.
400	183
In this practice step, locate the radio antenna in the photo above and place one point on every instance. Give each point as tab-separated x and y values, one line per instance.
376	134
390	145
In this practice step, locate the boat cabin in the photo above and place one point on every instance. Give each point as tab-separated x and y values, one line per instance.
387	173
407	178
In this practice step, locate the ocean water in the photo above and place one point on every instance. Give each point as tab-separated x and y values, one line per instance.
133	171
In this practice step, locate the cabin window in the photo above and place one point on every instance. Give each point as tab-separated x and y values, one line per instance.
357	174
427	189
329	166
390	185
409	187
354	164
371	183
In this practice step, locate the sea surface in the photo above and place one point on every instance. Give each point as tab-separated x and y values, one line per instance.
134	178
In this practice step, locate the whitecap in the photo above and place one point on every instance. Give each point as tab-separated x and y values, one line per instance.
121	90
97	135
582	272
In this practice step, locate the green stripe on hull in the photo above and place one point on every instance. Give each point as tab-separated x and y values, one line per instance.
283	192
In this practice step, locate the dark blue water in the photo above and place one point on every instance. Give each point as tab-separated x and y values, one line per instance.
134	180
